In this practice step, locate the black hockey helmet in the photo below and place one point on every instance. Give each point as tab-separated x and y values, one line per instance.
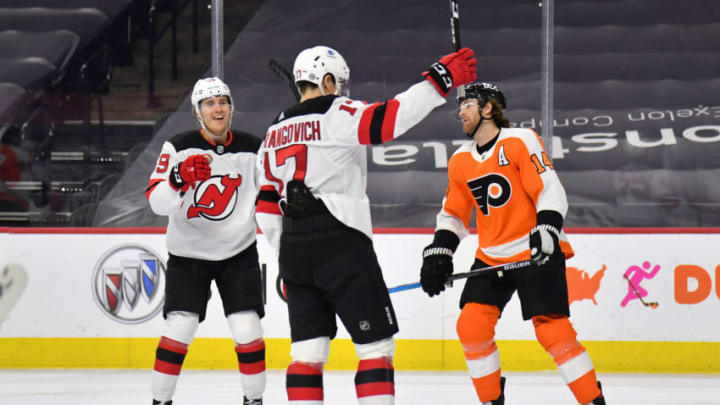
483	92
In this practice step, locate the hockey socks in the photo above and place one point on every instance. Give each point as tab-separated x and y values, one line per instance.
304	383
559	339
375	381
169	358
251	363
476	329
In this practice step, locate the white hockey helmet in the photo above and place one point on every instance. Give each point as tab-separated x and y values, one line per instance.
312	64
207	88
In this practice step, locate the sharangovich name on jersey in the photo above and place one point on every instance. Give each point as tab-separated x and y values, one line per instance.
128	283
303	131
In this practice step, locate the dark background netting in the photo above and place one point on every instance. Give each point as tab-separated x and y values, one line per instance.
637	121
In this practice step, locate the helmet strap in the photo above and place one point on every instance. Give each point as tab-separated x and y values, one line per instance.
472	133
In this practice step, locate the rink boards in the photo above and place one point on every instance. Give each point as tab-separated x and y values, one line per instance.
94	298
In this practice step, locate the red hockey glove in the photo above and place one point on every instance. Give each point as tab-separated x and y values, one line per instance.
193	168
452	70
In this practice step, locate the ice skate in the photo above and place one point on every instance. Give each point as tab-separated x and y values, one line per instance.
247	401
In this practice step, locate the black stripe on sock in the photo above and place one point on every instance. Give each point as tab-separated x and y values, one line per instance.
169	356
252	357
304	381
375	375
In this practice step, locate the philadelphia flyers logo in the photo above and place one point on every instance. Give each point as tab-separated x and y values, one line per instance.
215	198
493	190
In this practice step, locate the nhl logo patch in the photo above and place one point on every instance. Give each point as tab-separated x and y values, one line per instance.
220	149
364	325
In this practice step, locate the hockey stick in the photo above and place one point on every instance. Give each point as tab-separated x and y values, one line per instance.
473	272
652	305
285	75
455	35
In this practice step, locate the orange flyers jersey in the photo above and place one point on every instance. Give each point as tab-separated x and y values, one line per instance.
507	185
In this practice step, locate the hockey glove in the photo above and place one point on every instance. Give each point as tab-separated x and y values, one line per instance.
545	237
452	70
193	168
437	262
301	202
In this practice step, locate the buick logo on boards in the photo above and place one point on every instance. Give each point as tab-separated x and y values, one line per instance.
128	283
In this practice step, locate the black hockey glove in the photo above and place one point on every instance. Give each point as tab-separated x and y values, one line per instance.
301	203
437	262
545	237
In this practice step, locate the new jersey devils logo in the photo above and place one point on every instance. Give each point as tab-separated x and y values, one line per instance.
492	190
215	198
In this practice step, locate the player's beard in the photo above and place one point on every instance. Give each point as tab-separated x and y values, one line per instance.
469	126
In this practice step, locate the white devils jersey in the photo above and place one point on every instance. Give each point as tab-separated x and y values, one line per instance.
213	220
321	142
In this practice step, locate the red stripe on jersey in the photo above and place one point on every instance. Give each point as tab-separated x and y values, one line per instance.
252	368
167	368
388	126
305	394
267	201
151	187
267	207
376	388
364	126
369	364
268	187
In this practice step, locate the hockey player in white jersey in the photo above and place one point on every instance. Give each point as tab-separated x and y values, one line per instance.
205	182
313	208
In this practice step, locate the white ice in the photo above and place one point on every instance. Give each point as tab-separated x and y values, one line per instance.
123	387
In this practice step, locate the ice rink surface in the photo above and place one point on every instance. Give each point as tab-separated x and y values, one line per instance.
123	387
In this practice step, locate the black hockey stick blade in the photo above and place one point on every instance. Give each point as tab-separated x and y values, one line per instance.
473	272
285	75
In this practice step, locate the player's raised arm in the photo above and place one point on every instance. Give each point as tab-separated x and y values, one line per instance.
380	122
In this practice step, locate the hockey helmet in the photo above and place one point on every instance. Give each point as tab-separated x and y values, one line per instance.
312	64
207	88
483	92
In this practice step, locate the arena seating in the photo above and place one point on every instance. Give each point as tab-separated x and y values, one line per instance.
53	53
632	60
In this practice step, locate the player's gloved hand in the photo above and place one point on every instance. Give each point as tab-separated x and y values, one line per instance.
193	168
436	268
544	242
452	70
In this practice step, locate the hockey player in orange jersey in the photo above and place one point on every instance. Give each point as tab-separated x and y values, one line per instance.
520	204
